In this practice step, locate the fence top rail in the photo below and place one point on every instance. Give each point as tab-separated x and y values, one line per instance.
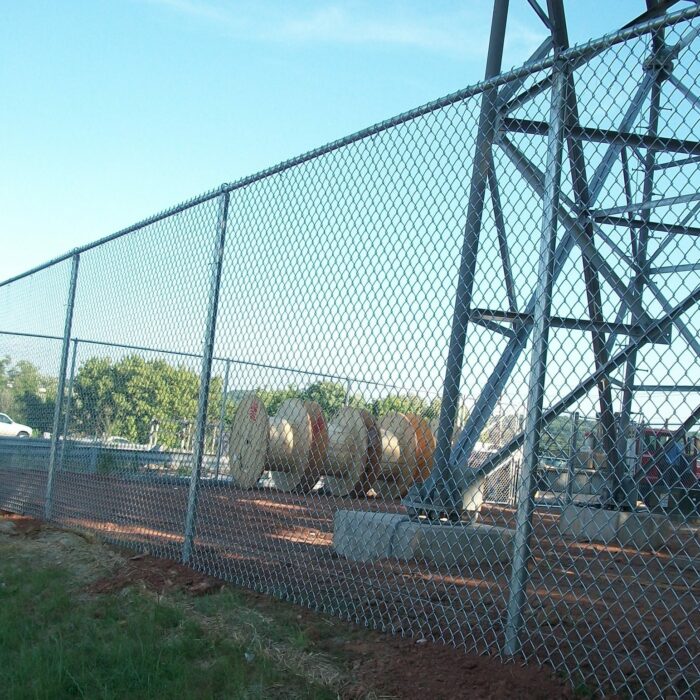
573	56
217	358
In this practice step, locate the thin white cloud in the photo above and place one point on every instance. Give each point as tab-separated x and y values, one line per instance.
461	31
192	8
336	24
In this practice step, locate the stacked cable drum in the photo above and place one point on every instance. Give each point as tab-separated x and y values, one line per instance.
407	453
355	453
291	445
352	461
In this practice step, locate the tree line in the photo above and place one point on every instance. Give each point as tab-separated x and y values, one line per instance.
27	395
123	397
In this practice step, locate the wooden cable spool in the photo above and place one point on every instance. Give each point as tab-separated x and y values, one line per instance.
250	435
407	452
291	445
426	446
353	452
354	449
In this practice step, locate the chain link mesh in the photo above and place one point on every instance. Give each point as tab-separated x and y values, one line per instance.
289	340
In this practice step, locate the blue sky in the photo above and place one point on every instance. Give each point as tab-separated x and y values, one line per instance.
116	109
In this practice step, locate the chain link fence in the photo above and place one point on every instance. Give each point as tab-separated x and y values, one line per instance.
439	377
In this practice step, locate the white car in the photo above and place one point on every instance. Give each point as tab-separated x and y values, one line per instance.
8	428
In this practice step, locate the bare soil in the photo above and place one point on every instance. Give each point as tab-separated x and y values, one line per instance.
157	575
605	616
401	669
372	665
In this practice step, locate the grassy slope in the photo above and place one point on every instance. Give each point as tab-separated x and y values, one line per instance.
57	641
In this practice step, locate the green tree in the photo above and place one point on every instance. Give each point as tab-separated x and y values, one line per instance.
272	398
433	410
6	395
329	395
124	397
25	377
26	394
36	411
403	403
94	403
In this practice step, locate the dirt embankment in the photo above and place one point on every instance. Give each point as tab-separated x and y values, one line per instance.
358	663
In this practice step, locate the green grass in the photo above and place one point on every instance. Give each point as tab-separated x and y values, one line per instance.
319	635
58	642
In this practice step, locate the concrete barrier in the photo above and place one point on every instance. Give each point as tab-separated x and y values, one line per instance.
643	531
366	535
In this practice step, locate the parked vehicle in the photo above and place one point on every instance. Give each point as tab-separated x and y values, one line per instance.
8	428
663	468
659	467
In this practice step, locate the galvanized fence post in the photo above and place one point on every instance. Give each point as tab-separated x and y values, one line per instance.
573	452
48	501
69	399
205	377
222	418
538	369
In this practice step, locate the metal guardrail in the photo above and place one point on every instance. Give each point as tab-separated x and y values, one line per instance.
92	457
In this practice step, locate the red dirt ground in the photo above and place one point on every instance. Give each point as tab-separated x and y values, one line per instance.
23	524
377	663
401	669
613	617
158	575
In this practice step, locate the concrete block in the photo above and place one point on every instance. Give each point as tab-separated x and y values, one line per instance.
456	544
555	480
365	535
641	531
684	506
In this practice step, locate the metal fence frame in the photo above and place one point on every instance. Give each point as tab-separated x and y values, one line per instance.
443	491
